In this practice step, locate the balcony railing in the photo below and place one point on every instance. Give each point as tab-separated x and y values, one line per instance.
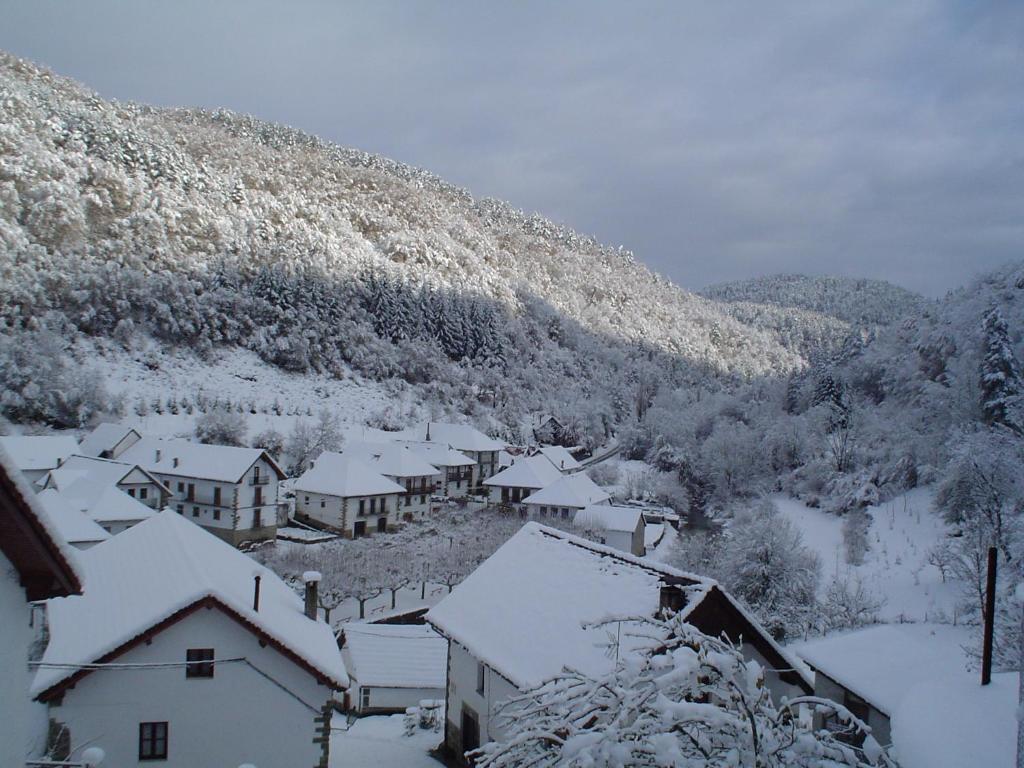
260	480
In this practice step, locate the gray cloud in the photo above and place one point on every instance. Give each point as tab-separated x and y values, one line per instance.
716	140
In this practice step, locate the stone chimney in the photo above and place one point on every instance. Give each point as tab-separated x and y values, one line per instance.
158	455
312	581
256	592
175	460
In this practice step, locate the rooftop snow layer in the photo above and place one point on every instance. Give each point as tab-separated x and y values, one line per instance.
75	526
391	459
104	437
36	452
146	574
609	518
337	474
560	457
396	655
569	491
438	454
522	611
183	458
531	472
462	437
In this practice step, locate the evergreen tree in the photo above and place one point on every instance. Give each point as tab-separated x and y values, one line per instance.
1000	374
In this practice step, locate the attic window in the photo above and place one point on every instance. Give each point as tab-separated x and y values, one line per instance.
672	598
200	662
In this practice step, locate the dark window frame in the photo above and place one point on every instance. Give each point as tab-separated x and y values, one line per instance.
153	740
200	663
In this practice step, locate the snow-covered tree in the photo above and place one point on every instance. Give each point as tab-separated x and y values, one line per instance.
683	699
1001	388
221	427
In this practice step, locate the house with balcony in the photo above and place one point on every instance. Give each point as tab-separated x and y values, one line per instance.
342	493
468	440
523	478
404	466
455	467
184	652
230	491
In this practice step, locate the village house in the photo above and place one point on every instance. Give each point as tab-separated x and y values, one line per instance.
911	685
85	477
549	430
398	463
621	528
108	441
178	636
75	527
456	468
392	667
524	477
468	440
35	564
230	491
565	497
35	455
344	494
526	613
560	457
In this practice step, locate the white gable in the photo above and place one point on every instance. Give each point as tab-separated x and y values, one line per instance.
569	491
531	472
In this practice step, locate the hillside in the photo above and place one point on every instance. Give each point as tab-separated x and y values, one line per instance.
854	301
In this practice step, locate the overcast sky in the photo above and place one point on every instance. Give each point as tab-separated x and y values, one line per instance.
716	140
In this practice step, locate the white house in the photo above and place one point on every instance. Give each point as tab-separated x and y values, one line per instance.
560	457
183	650
456	468
404	466
85	477
108	441
525	476
468	440
345	494
621	528
230	491
911	685
35	455
392	667
565	497
75	527
35	564
523	616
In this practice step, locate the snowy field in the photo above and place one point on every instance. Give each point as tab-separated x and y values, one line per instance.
380	742
902	531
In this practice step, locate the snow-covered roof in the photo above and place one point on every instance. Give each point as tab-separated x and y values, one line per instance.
34	452
438	454
90	485
391	459
569	491
560	457
522	611
31	541
609	518
396	655
97	472
115	506
880	663
104	438
183	458
531	472
462	437
338	474
75	526
164	565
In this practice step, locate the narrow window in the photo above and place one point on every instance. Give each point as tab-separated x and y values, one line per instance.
216	514
143	493
195	511
364	696
481	672
153	741
200	662
181	487
373	506
362	506
131	492
307	499
323	503
216	495
181	509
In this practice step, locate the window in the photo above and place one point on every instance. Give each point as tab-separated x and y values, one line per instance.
131	492
565	513
423	499
323	503
373	506
181	509
195	511
364	698
181	487
153	741
307	499
200	662
362	506
216	495
481	673
544	511
408	500
216	514
143	493
384	505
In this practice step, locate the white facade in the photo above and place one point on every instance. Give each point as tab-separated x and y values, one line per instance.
376	699
467	698
260	711
353	516
16	735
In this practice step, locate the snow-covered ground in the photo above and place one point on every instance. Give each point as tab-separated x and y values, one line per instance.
380	742
902	531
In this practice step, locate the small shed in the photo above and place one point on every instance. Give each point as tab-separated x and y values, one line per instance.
393	666
618	527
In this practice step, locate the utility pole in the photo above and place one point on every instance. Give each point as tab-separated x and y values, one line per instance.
990	618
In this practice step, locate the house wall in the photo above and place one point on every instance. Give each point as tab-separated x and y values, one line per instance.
122	445
458	481
15	637
384	700
565	514
462	679
237	716
418	503
828	688
342	512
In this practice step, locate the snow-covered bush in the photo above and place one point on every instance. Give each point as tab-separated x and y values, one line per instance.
271	441
221	427
683	699
849	604
606	473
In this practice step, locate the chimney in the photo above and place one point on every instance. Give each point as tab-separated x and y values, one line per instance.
175	460
157	455
428	431
312	580
990	617
256	592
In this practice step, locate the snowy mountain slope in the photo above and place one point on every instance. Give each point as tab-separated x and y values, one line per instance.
855	301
